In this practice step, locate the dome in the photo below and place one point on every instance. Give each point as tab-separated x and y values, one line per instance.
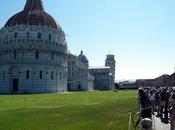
83	58
32	14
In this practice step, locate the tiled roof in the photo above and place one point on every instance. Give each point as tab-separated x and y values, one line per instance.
33	14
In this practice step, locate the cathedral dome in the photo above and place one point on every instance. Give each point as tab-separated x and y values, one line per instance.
83	58
32	14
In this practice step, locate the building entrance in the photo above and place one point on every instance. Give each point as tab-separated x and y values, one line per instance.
79	87
69	86
15	85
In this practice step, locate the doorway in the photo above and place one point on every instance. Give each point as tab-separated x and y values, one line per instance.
69	86
15	85
79	87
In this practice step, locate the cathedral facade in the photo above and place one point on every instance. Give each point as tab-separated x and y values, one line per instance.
33	52
77	74
79	78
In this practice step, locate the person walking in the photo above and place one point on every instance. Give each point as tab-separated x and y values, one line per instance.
172	110
152	100
162	102
157	102
167	97
145	107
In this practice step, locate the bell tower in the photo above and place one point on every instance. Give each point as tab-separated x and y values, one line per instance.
110	62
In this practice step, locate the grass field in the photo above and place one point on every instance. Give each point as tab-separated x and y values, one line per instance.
71	111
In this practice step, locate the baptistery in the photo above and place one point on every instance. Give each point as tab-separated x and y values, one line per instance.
33	52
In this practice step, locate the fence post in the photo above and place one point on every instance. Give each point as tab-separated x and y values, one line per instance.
130	116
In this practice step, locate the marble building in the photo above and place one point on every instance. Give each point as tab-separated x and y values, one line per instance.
82	77
34	58
77	74
105	75
33	52
103	78
79	78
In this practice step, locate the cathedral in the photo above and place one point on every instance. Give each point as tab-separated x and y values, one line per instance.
33	52
34	57
82	77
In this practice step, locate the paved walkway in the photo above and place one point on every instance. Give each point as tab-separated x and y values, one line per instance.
158	125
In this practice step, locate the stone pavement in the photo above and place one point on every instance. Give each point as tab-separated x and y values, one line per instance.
159	125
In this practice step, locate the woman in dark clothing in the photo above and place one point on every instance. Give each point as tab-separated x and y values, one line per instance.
157	97
145	106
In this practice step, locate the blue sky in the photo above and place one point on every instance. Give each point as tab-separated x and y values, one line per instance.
140	33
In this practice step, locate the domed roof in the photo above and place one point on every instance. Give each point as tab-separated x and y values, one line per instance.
33	14
83	58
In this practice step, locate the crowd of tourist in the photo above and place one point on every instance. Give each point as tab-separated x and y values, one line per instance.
159	101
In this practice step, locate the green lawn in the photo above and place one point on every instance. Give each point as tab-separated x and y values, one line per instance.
71	111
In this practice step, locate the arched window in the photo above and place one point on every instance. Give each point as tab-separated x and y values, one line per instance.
36	55
28	34
14	53
6	36
50	36
39	35
15	35
27	74
60	76
52	56
52	75
3	75
41	74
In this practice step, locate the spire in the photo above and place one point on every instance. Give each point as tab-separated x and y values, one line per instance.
34	5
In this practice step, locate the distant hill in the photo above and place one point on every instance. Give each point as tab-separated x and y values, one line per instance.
122	80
